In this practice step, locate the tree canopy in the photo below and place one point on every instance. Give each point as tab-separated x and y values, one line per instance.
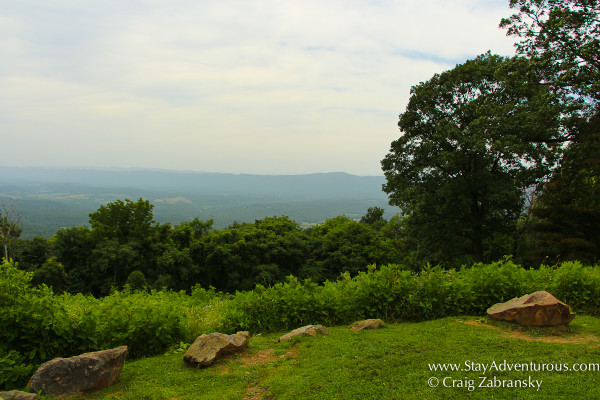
124	246
562	35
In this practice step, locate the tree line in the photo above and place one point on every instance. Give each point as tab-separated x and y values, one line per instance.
124	245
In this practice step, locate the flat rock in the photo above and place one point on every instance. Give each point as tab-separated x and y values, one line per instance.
536	309
366	324
308	330
208	348
18	395
80	374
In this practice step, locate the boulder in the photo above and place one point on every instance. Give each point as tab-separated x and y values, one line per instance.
308	330
536	309
207	348
17	395
76	375
366	324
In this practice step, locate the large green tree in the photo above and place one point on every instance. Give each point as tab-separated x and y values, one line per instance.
341	245
123	233
73	247
562	39
567	213
243	255
473	139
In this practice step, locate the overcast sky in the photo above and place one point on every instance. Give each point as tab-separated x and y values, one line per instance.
253	86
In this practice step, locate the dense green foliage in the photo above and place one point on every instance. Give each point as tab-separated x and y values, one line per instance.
474	139
125	245
37	324
567	213
392	293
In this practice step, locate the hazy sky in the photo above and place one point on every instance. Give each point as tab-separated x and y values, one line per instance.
253	86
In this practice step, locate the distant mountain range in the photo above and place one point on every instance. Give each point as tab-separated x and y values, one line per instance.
51	198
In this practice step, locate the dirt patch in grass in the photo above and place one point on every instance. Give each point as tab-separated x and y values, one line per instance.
254	392
267	356
222	369
260	357
292	354
564	337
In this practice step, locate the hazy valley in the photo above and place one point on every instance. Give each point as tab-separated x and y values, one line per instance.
51	198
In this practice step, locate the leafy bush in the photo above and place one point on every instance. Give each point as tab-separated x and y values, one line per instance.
37	325
578	286
483	285
32	327
394	293
14	369
146	323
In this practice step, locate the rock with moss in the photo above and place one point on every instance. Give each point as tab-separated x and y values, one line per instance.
208	348
18	395
366	324
80	374
308	330
536	309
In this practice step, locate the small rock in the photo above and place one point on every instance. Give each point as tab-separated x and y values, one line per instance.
536	309
76	375
17	395
366	324
207	348
308	330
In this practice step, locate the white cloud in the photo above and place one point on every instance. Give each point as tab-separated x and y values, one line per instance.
269	86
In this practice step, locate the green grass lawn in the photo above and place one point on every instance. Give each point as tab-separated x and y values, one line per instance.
389	363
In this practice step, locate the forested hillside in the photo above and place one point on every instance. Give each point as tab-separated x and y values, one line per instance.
51	198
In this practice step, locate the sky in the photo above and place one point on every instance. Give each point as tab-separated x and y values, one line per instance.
253	86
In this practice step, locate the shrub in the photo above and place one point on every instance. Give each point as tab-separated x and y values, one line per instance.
137	280
36	325
147	323
394	293
32	326
577	286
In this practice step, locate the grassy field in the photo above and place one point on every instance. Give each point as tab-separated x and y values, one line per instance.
389	363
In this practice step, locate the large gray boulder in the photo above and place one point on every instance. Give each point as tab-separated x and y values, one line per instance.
80	374
208	348
18	395
308	330
536	309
